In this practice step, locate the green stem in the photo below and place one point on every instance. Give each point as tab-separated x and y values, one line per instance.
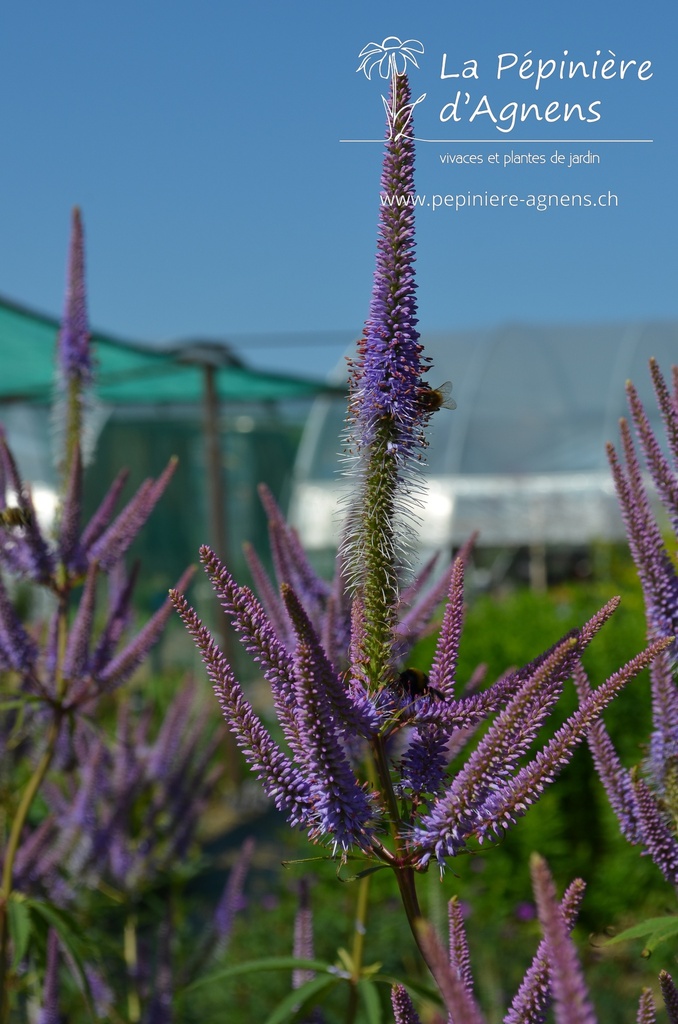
23	810
405	876
377	546
408	893
18	823
131	962
72	429
358	947
386	786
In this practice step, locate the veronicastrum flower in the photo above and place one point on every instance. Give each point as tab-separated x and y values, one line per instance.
365	754
387	412
646	802
59	673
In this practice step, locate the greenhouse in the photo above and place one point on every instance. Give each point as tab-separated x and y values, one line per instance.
522	457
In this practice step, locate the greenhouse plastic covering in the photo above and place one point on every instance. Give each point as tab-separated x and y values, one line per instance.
129	373
522	457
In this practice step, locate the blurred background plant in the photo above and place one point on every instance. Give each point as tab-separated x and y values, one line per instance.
101	793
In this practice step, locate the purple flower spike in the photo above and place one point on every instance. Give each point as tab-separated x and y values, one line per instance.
387	408
343	808
270	600
281	780
444	668
657	576
613	775
111	545
49	1012
533	998
669	995
303	935
403	1010
75	358
662	474
259	638
658	835
512	800
18	650
292	564
668	405
75	371
646	1009
462	1007
232	898
104	513
571	999
124	664
457	813
354	711
460	960
388	372
662	762
24	551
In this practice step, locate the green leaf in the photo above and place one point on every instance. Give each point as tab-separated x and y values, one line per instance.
371	1001
67	929
345	959
19	926
361	874
17	702
658	928
300	999
273	963
306	860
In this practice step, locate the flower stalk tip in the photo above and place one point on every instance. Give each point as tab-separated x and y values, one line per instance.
386	413
75	370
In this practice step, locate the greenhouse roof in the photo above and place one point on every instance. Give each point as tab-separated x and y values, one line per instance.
129	372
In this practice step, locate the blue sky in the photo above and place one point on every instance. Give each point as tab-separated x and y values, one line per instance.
202	142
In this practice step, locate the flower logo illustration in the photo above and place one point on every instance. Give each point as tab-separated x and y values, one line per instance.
391	56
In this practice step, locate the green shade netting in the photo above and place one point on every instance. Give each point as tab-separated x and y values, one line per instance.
126	373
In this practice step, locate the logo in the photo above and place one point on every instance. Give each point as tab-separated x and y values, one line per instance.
391	57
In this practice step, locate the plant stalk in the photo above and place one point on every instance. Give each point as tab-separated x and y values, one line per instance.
359	929
18	823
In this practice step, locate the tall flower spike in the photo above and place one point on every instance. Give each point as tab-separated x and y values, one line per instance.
533	998
403	1010
646	1008
572	1005
49	1012
460	1003
614	777
512	800
343	808
460	960
76	372
386	411
281	780
303	935
670	996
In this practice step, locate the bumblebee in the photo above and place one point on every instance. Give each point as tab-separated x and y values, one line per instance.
414	683
14	516
432	399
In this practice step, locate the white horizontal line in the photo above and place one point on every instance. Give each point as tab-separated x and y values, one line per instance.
541	142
